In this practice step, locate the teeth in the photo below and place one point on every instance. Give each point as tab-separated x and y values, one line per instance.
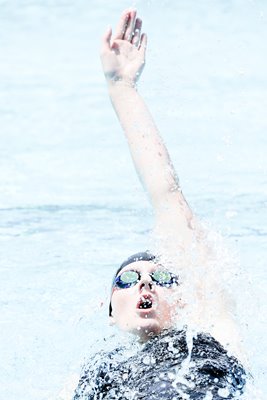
145	304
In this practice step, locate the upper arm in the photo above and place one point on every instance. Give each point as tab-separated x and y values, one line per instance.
184	242
178	231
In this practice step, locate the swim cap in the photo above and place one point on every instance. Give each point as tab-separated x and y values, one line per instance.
141	256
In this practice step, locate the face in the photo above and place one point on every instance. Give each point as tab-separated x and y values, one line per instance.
145	308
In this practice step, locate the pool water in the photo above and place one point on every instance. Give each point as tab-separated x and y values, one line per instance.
71	205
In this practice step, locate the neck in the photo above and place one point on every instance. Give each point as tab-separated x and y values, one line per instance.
147	334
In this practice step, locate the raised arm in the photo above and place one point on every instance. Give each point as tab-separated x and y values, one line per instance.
123	59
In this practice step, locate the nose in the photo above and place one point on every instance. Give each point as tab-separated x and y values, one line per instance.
146	283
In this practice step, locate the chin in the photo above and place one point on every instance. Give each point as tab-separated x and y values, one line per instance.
147	328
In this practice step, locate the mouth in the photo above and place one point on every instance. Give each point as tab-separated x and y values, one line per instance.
145	302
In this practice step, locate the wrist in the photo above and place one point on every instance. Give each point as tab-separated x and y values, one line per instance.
120	85
121	82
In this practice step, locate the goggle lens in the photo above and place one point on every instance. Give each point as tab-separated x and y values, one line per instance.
162	277
127	279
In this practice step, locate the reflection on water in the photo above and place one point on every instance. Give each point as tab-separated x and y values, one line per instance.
71	205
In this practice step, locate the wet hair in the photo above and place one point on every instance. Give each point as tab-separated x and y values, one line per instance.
141	256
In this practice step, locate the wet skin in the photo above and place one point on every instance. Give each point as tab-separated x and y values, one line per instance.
145	308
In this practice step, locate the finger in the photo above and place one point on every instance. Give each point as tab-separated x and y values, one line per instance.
143	44
130	26
137	32
122	25
106	39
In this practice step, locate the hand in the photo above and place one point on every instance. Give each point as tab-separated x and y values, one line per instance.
123	58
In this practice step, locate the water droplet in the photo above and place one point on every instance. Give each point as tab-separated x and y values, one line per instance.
224	393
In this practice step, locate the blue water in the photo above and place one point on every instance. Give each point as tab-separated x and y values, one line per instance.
71	206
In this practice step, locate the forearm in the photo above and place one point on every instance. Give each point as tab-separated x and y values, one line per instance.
148	151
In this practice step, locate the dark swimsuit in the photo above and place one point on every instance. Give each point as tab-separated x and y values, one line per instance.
164	368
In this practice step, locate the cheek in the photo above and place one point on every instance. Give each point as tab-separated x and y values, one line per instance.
121	301
169	302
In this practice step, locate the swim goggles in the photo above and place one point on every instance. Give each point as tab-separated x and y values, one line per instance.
130	278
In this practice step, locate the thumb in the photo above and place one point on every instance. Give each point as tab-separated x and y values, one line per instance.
106	39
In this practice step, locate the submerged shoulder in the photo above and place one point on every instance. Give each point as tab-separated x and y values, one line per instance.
217	363
213	366
94	370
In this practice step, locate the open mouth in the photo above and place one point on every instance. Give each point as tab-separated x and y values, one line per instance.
145	302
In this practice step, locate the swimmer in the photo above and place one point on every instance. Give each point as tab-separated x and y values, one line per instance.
171	299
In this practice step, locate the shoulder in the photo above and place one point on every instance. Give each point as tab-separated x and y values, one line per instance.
94	370
203	349
213	361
